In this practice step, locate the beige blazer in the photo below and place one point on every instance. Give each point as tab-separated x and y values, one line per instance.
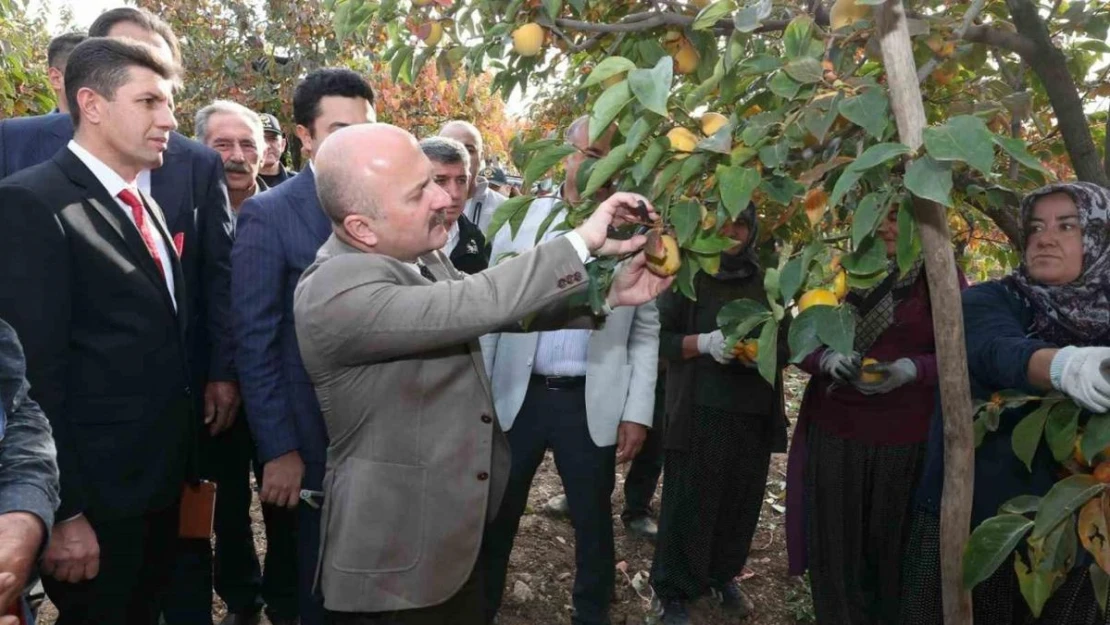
416	461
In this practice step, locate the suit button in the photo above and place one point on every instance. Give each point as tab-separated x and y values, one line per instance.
486	419
562	283
483	476
578	276
188	391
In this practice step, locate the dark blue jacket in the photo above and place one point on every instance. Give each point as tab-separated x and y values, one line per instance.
277	237
996	323
191	190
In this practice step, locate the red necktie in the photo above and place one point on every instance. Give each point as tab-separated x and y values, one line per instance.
139	214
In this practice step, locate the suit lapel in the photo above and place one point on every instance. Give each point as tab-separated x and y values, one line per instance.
441	267
307	205
159	221
165	182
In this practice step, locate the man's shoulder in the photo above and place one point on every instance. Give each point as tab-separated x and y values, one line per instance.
193	149
282	195
37	123
44	180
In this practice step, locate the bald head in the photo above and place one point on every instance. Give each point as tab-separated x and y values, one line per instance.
467	134
375	184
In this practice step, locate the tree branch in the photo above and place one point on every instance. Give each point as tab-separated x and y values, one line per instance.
969	17
637	22
998	38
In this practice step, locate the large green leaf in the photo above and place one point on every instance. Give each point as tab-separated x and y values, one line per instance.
652	86
774	155
1026	436
1063	499
819	117
991	544
792	276
685	280
654	153
930	179
750	17
802	336
506	211
908	246
710	243
869	258
805	70
1061	428
540	163
759	65
685	216
759	125
1036	585
605	168
768	351
783	86
637	133
1096	436
607	107
797	37
741	311
607	68
1022	504
1016	149
964	138
872	156
868	214
708	17
736	185
869	110
836	327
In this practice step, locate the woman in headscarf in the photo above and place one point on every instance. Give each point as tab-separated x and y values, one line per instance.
858	447
1044	327
723	421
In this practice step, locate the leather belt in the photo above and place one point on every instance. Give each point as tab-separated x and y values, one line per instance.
560	382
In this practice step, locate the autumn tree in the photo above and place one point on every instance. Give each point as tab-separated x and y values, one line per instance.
24	89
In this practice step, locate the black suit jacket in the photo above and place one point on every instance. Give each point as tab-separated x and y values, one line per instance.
192	191
470	255
105	349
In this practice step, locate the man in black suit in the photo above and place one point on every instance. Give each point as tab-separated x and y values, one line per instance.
94	286
466	246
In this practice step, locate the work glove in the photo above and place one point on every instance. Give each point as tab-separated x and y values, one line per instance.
1081	373
713	345
894	374
843	369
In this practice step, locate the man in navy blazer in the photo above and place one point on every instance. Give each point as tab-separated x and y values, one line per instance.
191	189
278	234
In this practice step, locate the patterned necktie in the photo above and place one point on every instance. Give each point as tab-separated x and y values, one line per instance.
427	273
137	211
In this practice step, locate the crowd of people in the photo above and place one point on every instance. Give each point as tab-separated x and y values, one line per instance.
178	312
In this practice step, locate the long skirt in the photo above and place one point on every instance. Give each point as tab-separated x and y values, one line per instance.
995	601
858	504
712	495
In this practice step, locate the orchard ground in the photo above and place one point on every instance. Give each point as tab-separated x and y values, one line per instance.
543	558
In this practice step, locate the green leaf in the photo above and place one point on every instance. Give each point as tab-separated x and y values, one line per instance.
774	155
740	312
1036	586
708	17
652	86
1059	548
540	163
783	86
1022	504
685	216
806	70
869	110
869	258
768	352
1096	436
607	68
607	107
710	243
1063	499
605	168
666	176
736	185
1061	428
691	166
930	179
908	246
759	65
555	210
802	336
553	7
506	211
750	17
1027	435
1015	147
400	63
836	327
685	280
781	189
796	38
793	276
964	138
818	120
867	216
639	131
873	156
771	284
991	544
654	153
759	125
720	142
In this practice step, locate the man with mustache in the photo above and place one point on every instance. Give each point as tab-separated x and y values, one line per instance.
236	133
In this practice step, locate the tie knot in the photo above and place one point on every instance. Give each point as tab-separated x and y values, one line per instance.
129	198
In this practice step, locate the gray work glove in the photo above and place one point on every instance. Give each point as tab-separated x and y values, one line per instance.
841	368
713	345
1080	373
895	374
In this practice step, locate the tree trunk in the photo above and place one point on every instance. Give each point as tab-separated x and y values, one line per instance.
1050	65
948	326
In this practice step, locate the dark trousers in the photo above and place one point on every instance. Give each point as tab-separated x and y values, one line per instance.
239	580
309	602
643	476
134	572
466	607
556	419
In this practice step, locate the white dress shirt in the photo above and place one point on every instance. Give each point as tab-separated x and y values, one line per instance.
452	240
114	183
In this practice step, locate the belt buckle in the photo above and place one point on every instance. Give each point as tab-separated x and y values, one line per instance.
547	382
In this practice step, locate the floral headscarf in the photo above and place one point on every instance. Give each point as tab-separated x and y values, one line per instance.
1077	313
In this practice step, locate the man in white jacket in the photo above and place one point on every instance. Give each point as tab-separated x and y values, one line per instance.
481	201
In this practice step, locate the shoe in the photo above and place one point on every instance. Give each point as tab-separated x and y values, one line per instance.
557	506
671	611
642	527
733	600
243	618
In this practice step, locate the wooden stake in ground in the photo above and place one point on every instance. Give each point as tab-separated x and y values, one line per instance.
948	323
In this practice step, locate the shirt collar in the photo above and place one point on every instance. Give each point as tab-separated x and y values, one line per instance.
111	181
